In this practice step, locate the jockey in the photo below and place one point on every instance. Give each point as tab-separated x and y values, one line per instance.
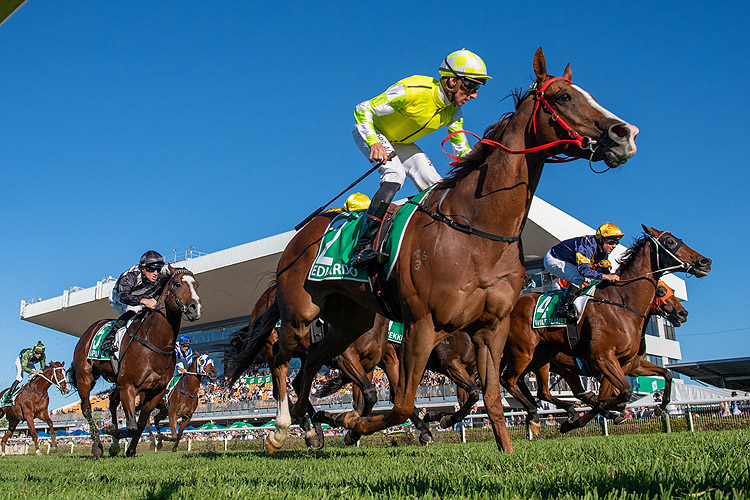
184	354
26	362
583	258
409	110
137	288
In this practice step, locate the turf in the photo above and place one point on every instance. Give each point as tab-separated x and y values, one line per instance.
710	464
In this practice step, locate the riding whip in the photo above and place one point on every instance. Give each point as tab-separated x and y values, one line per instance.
323	207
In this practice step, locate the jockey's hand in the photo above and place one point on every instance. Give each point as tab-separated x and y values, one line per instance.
150	303
181	370
378	153
610	277
35	372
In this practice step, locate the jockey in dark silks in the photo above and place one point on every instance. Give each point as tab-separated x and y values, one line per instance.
26	362
582	259
409	110
136	289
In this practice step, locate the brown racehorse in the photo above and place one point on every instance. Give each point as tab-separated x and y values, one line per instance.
665	304
147	361
460	265
183	401
611	325
32	401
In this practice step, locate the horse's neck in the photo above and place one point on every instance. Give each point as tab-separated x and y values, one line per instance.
497	196
40	384
641	292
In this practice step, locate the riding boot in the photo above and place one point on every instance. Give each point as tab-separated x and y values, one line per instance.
363	253
13	387
108	344
566	309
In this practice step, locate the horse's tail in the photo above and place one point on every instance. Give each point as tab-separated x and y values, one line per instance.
332	385
72	375
241	355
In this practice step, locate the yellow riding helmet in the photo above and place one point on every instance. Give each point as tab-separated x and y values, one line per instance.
608	230
464	63
357	201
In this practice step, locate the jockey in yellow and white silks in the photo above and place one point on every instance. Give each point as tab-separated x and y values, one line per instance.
409	110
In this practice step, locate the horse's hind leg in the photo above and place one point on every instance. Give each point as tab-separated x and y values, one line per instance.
12	423
275	439
647	368
85	382
183	424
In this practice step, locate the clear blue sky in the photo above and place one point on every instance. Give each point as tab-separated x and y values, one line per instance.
136	125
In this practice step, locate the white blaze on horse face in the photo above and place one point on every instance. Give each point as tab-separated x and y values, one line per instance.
628	148
190	282
592	102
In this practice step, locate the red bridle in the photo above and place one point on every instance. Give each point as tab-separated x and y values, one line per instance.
579	140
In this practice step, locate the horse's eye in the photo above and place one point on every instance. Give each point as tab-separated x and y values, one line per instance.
564	97
177	284
670	242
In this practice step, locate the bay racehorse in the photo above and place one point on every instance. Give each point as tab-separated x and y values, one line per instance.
665	304
610	328
32	402
183	401
460	265
146	363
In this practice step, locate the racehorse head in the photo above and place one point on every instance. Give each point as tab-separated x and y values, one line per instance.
674	255
55	373
183	293
669	306
564	111
205	366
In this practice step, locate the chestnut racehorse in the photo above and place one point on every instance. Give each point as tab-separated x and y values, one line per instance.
665	304
611	325
460	265
147	361
183	401
32	402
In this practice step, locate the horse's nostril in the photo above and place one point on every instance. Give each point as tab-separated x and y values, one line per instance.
618	132
704	262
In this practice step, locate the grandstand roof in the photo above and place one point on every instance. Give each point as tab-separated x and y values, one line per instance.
232	280
731	373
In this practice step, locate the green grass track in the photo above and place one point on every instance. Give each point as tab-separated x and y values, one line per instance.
710	464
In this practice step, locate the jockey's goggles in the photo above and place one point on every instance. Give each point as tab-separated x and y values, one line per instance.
151	269
611	241
470	85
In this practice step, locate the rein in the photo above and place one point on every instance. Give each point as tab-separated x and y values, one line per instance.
464	228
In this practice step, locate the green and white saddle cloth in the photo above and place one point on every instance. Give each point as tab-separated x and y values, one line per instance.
8	398
95	353
546	306
395	332
171	385
335	253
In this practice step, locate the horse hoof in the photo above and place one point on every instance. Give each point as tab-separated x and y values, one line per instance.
114	450
618	419
658	412
426	438
445	422
130	453
351	438
566	426
39	452
535	427
345	418
97	450
269	446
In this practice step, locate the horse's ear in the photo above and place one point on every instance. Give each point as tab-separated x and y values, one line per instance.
62	363
540	65
649	230
568	74
170	269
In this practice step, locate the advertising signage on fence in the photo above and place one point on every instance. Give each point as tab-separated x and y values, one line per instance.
264	379
649	384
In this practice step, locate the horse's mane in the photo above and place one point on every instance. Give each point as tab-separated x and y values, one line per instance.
479	153
626	259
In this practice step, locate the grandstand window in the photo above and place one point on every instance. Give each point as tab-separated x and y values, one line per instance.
674	373
669	332
657	360
652	327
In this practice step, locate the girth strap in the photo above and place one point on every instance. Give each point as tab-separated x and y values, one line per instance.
26	388
149	345
183	391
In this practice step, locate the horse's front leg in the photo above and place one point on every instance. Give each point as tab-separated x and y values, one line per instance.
32	431
45	416
152	398
489	344
276	438
113	428
605	369
419	340
183	423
